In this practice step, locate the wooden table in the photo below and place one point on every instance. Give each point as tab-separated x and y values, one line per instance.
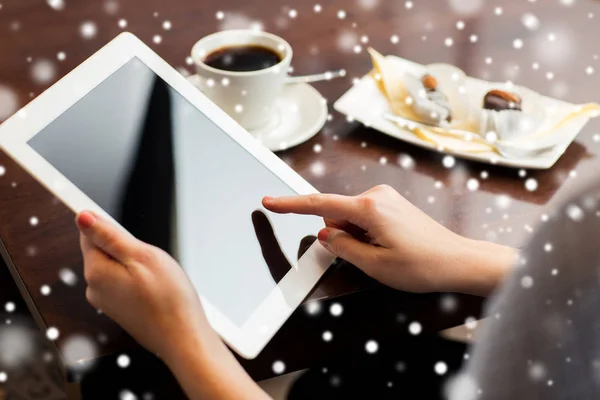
349	159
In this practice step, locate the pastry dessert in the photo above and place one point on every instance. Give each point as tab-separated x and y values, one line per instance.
433	94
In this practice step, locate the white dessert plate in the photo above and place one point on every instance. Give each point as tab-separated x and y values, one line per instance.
365	103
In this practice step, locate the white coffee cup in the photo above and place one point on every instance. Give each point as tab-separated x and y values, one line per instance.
249	97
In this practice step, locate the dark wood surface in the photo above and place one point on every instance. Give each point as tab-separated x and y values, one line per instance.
353	158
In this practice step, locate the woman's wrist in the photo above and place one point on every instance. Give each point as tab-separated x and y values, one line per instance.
206	369
483	266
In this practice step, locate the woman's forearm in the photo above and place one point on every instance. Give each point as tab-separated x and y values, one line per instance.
484	266
209	371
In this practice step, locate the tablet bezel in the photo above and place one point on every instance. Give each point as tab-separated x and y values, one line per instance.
247	340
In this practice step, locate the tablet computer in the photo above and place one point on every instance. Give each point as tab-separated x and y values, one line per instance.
127	136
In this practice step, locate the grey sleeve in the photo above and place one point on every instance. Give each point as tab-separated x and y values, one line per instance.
541	338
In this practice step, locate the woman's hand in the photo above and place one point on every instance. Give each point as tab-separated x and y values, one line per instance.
148	294
394	242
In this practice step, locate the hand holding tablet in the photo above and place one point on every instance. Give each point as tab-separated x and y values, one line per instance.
147	293
126	136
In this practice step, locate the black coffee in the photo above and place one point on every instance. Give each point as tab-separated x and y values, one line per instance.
243	58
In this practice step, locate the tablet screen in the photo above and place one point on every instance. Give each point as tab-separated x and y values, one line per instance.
173	178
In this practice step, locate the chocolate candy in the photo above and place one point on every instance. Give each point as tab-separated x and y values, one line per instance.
499	100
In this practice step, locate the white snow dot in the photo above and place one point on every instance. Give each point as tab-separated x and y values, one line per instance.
460	25
472	184
414	328
111	6
448	161
554	272
531	184
341	14
317	148
56	4
408	5
317	168
498	11
473	38
3	376
167	25
471	323
530	21
383	160
88	29
589	70
313	308
549	75
537	371
45	290
518	43
488	60
225	82
34	221
484	175
575	212
431	199
9	102
2	170
440	368
127	395
157	39
548	247
357	48
527	281
9	307
327	336
122	23
123	361
448	303
336	309
239	108
448	41
67	276
394	39
43	71
317	8
61	56
278	367
292	13
79	351
52	333
220	15
371	347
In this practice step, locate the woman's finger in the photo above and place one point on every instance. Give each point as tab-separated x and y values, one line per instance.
107	237
345	246
333	206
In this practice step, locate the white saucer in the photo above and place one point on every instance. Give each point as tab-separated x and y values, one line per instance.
300	113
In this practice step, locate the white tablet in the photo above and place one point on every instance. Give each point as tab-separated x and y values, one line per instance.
125	135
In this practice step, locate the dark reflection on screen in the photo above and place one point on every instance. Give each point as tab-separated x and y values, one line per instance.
171	177
149	188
